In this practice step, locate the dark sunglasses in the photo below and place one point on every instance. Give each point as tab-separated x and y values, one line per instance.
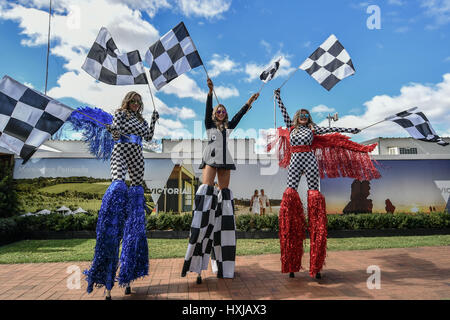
136	102
304	116
221	112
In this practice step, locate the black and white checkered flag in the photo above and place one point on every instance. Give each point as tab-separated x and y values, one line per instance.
171	56
27	118
269	73
417	125
107	64
329	64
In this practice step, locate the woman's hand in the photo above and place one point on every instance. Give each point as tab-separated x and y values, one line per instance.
277	92
114	132
252	99
210	85
155	116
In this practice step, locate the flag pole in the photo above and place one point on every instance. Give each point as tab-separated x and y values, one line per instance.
388	118
209	78
48	45
89	117
204	68
373	124
262	86
150	89
290	76
98	122
274	113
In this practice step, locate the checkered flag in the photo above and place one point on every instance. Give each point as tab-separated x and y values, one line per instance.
27	118
269	73
171	56
107	64
417	125
329	64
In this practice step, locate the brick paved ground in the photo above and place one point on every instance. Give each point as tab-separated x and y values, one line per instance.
413	273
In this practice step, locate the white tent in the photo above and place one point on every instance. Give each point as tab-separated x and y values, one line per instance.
64	210
45	211
79	210
27	214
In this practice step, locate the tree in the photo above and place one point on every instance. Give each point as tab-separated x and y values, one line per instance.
9	203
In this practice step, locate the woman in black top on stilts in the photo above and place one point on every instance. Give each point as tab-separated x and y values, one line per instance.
214	232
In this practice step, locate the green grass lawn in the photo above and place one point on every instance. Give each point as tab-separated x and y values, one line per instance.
53	203
38	251
34	201
98	187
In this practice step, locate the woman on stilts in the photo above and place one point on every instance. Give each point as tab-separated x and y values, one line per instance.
213	224
300	142
122	215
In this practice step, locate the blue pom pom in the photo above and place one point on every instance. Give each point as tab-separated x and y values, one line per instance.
95	134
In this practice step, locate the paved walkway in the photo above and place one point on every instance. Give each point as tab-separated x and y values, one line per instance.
413	273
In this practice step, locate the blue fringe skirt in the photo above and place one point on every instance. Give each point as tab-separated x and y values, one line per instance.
111	219
134	257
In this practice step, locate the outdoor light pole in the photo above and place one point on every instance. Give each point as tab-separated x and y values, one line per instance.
334	117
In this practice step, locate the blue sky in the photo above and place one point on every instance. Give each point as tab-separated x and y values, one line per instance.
405	63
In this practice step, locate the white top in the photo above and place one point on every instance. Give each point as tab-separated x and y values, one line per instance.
264	200
256	205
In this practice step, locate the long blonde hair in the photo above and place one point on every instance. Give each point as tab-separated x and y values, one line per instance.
296	121
220	124
126	108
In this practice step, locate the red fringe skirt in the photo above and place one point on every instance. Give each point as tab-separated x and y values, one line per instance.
291	231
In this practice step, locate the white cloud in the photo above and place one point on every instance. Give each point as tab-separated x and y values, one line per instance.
226	92
359	5
204	8
186	113
171	124
396	2
73	45
185	87
150	6
439	10
222	64
254	70
322	109
432	100
266	46
29	85
75	25
85	89
182	113
402	29
121	21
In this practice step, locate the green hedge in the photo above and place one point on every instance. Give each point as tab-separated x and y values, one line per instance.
388	221
244	222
